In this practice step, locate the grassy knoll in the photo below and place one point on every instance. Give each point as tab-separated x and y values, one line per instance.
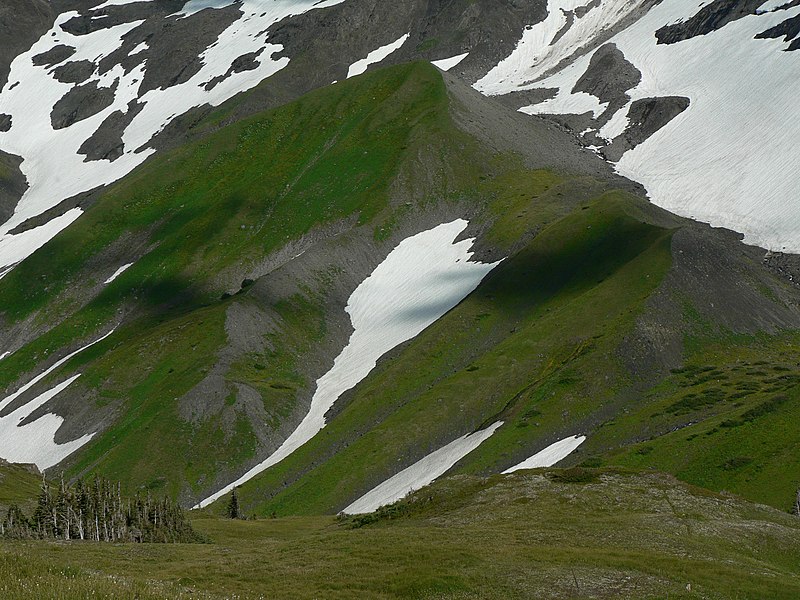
540	534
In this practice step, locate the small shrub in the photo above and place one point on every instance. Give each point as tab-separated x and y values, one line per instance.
737	462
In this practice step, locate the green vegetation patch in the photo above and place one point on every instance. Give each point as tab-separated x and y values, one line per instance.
624	535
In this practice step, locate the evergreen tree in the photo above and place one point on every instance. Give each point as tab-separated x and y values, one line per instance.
43	515
15	524
99	512
233	511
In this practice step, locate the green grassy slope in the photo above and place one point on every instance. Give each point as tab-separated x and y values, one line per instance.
528	343
200	219
728	420
553	534
18	485
543	344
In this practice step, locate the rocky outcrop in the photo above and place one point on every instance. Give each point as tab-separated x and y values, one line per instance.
12	184
645	117
22	22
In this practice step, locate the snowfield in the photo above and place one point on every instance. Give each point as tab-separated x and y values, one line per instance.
551	455
34	442
559	37
419	281
729	159
421	473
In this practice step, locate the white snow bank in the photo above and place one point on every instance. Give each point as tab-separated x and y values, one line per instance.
568	104
422	278
140	48
35	442
193	6
117	3
446	64
376	56
117	273
544	45
550	455
730	158
421	473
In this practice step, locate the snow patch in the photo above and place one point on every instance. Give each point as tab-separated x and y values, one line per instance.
118	3
421	473
551	455
446	64
568	104
194	6
419	281
376	56
34	442
117	273
140	48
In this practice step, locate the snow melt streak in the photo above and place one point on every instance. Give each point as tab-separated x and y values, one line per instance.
376	56
422	278
551	455
421	473
117	273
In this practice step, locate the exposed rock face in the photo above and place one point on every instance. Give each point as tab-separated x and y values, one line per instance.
608	78
12	184
645	117
789	30
80	103
74	72
22	22
106	143
710	18
56	55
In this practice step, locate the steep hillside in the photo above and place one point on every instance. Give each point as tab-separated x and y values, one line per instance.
694	100
380	259
95	87
555	534
214	318
178	391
